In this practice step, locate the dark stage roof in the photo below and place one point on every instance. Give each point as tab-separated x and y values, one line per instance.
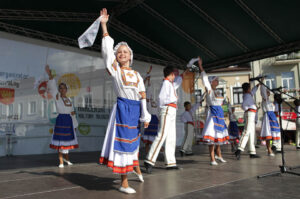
167	32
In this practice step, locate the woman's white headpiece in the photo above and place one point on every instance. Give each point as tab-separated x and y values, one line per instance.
212	78
123	43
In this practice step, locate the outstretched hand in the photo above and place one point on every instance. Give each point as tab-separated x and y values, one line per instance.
146	125
104	15
200	64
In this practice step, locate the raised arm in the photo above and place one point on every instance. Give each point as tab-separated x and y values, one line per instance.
204	76
263	92
52	87
254	89
107	45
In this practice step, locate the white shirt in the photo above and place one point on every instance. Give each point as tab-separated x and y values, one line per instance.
248	101
167	94
128	83
266	104
63	106
187	116
213	98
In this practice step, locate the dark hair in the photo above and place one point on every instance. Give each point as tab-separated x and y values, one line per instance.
62	84
168	70
186	103
297	102
245	87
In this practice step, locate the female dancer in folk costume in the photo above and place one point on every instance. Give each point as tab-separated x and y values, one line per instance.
122	139
151	131
64	136
215	130
233	128
270	129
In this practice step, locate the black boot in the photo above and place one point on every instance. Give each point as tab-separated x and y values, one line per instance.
181	153
238	154
254	156
148	167
172	168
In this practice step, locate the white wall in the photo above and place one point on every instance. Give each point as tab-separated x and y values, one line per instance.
29	56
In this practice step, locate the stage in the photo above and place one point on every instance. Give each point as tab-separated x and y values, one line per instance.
39	177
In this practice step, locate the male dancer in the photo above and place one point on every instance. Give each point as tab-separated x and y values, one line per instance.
250	109
167	130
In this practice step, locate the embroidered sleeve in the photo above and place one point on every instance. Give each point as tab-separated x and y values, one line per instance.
205	81
52	88
143	95
145	115
141	85
108	55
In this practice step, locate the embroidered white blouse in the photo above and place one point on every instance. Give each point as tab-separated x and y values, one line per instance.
63	105
213	98
128	83
168	94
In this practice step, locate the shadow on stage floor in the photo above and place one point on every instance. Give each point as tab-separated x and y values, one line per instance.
35	177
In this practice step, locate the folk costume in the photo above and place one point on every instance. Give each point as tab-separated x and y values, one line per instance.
121	144
64	135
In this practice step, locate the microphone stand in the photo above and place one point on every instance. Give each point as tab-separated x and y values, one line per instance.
283	167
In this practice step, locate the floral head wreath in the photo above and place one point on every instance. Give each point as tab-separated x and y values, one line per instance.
122	43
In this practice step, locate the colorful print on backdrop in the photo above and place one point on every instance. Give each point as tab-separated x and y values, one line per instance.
42	90
84	128
7	95
73	83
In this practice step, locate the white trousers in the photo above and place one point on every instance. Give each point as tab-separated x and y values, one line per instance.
248	135
166	133
298	132
187	143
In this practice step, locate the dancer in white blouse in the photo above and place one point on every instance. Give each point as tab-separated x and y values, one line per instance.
270	129
121	144
64	135
215	130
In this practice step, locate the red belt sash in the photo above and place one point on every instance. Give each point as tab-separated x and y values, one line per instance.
192	123
172	105
252	110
